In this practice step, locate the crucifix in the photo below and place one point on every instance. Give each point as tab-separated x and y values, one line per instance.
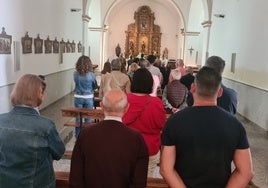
191	50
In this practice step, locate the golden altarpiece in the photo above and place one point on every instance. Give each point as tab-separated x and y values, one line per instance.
143	36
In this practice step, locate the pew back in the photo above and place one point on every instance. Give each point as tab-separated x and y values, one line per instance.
62	181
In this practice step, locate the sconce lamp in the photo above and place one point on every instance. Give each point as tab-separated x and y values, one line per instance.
219	15
105	26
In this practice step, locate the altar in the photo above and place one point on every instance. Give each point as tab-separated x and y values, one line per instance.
143	36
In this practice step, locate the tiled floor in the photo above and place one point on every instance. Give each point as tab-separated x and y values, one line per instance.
258	140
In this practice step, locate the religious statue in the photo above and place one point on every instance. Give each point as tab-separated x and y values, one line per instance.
165	54
143	47
131	47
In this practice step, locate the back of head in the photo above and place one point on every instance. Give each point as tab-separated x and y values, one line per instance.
142	81
151	58
106	68
114	101
27	91
83	65
116	64
175	74
171	64
158	63
216	63
133	67
189	70
179	63
144	63
207	82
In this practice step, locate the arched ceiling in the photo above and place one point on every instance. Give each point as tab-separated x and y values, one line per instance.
167	4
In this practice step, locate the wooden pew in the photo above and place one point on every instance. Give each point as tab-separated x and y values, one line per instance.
67	154
62	181
81	113
156	183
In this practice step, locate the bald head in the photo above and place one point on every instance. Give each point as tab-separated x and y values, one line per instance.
114	103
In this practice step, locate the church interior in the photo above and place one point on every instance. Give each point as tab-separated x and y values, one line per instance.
47	37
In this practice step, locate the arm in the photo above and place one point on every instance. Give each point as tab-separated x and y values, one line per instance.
168	157
76	178
101	87
56	146
139	178
166	103
243	172
164	99
128	86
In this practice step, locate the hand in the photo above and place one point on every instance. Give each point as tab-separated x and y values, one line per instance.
174	110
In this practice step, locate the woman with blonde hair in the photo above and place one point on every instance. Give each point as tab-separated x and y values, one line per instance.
29	142
132	68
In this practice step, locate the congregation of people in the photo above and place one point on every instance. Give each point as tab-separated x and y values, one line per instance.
155	113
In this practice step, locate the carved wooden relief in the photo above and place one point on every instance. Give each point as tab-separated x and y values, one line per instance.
143	36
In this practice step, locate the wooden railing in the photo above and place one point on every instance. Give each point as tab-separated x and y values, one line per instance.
95	114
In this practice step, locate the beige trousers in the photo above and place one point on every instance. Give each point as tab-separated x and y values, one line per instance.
153	161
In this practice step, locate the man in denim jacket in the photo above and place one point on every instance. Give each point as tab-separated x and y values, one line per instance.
28	141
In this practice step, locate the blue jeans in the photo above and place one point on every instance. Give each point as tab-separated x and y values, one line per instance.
82	103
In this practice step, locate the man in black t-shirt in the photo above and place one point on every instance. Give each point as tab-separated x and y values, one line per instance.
200	142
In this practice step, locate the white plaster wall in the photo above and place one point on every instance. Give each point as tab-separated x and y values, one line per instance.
196	17
244	31
48	18
252	102
95	37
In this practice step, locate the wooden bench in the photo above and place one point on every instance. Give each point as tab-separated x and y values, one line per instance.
67	154
81	113
156	183
62	181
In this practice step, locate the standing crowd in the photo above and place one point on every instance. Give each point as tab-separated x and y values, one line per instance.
195	146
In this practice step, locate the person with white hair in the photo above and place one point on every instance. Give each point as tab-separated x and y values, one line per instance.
109	154
115	80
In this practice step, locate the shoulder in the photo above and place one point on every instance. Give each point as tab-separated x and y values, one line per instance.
228	96
229	91
75	74
47	121
156	100
91	74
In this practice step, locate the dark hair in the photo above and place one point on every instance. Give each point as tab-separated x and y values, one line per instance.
83	65
207	82
216	63
142	81
106	68
151	58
